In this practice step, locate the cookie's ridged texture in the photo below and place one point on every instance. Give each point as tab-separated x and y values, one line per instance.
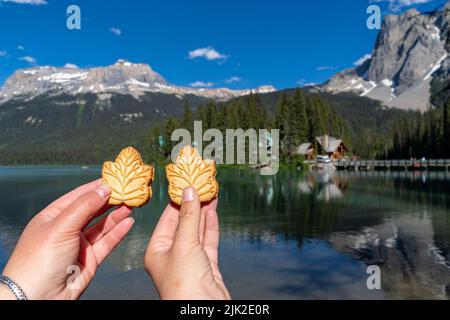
129	179
190	170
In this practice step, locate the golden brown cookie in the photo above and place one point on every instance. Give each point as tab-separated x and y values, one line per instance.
129	179
190	170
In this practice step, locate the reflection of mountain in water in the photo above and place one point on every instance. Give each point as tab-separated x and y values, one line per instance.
396	233
399	221
412	266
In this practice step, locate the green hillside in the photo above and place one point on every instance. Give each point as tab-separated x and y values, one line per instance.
88	129
81	130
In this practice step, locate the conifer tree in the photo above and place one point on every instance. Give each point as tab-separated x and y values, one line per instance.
300	118
187	121
233	116
211	115
241	112
153	147
260	112
282	122
222	118
201	114
171	125
251	116
317	122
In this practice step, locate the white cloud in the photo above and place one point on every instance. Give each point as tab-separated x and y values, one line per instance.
70	66
28	59
209	53
363	59
233	79
198	84
116	31
32	2
3	53
397	5
325	68
20	47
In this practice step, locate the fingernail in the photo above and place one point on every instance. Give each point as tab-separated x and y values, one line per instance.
189	194
103	191
130	221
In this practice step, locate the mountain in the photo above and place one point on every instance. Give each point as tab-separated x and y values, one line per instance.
410	62
68	115
82	128
135	79
83	116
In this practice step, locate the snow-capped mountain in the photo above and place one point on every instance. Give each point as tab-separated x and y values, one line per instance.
411	50
123	77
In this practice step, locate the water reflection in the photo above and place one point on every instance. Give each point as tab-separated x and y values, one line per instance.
287	236
328	186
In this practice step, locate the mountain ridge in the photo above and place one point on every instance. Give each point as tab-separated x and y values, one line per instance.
411	50
123	77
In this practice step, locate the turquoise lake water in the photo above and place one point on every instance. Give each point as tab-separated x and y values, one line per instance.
290	236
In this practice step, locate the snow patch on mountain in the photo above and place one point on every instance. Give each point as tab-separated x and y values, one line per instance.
410	51
123	77
435	67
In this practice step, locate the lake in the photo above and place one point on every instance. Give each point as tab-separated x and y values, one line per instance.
290	236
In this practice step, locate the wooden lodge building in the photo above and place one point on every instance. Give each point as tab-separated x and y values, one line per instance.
307	150
334	148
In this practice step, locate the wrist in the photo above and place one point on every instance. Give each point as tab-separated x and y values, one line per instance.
15	289
22	283
6	294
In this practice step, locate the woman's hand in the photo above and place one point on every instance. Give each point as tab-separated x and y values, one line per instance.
57	256
182	256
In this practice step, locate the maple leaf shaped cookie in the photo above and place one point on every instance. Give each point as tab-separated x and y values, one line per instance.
129	179
190	170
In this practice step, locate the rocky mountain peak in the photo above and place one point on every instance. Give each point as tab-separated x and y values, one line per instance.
410	50
122	77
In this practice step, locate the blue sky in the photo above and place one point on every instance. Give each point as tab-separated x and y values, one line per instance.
234	43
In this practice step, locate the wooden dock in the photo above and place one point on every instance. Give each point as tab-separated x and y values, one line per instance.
366	165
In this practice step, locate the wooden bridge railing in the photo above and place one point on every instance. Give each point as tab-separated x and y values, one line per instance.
432	163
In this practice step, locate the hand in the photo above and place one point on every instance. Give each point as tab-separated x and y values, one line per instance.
182	256
57	243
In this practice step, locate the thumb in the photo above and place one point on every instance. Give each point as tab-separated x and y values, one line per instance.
189	220
81	212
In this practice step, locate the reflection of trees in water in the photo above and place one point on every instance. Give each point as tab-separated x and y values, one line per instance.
416	191
435	191
423	188
420	187
412	243
397	220
289	205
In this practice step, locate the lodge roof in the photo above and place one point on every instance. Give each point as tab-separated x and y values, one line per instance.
329	144
304	148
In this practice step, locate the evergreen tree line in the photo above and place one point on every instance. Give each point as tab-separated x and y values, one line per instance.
424	135
299	118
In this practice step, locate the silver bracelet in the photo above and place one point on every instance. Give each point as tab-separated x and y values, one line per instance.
13	287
